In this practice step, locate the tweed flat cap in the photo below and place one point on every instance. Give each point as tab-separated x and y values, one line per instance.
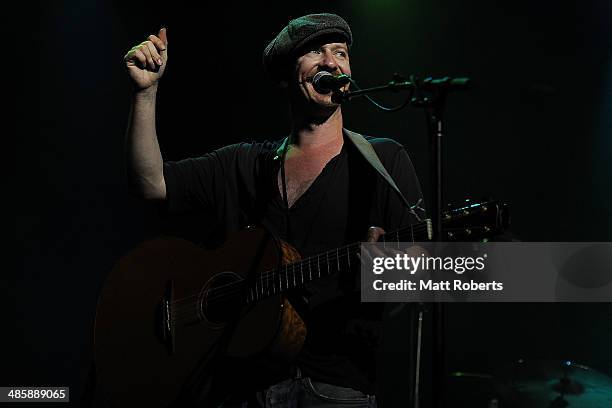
279	54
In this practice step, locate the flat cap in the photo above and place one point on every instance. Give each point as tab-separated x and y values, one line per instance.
280	52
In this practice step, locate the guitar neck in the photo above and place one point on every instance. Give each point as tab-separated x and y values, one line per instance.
296	274
470	222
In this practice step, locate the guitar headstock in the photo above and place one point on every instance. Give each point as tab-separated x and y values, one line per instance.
475	221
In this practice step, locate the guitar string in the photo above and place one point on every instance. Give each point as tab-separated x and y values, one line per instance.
226	290
270	275
417	227
191	310
270	282
236	287
265	275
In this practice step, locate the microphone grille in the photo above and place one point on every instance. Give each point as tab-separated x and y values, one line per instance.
317	77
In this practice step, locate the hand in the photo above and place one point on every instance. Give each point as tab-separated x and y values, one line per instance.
374	234
390	250
147	61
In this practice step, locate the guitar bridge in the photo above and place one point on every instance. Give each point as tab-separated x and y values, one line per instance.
167	325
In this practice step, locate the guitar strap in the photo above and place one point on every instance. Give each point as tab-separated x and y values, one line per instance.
366	149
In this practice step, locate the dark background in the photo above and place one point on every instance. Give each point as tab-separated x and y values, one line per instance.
535	132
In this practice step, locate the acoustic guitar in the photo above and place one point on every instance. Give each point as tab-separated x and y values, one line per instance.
170	309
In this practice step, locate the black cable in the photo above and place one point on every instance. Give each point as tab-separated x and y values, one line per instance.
378	105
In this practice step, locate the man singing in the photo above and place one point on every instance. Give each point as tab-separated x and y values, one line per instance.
316	189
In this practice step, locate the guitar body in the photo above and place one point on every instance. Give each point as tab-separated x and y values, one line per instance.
171	314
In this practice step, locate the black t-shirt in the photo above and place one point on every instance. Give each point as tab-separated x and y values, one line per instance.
237	186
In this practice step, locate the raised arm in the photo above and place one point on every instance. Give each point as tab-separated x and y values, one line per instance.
145	64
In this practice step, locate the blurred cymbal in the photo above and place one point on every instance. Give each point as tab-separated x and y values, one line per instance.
554	384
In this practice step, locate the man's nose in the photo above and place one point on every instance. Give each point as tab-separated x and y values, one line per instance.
328	61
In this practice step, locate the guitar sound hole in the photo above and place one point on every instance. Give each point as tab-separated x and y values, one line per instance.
221	299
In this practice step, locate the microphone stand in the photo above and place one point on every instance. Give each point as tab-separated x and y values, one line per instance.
429	94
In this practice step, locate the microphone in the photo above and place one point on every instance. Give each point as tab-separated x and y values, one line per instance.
324	82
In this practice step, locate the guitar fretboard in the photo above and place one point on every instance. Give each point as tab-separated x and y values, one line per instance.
296	274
